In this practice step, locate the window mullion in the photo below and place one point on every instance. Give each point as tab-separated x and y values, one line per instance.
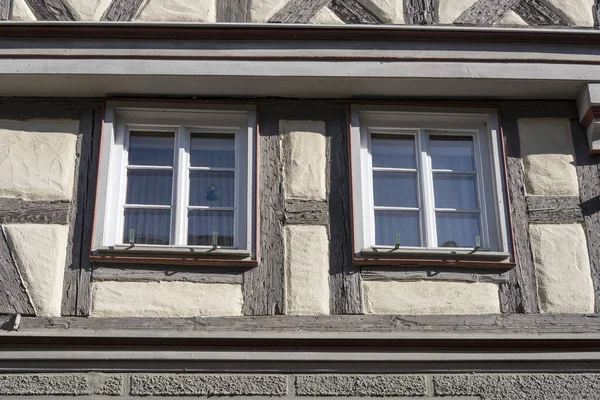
181	188
427	191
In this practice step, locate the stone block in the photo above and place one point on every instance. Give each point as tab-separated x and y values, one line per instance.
519	386
562	268
208	385
61	384
263	10
89	10
360	385
430	297
37	158
21	12
450	10
548	157
304	159
575	12
388	11
307	270
326	17
165	299
178	11
40	254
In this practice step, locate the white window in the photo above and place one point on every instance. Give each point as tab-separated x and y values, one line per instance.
176	177
427	181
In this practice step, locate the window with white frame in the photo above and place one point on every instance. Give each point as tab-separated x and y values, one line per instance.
427	181
174	176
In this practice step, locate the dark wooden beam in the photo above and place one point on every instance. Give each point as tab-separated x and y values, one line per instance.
431	274
51	10
233	11
13	294
149	273
536	12
306	213
5	9
36	212
123	10
420	12
597	14
298	11
554	209
352	12
486	12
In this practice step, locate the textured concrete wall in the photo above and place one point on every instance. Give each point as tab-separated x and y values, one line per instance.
165	299
430	297
562	268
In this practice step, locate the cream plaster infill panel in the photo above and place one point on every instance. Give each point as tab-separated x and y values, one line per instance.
430	298
40	254
37	158
326	17
450	10
562	268
89	10
511	18
263	10
388	11
304	164
21	12
178	11
548	157
165	299
575	12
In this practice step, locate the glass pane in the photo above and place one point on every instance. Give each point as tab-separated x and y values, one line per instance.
457	229
455	191
454	153
203	224
149	187
388	151
212	151
395	189
149	226
151	148
389	223
215	189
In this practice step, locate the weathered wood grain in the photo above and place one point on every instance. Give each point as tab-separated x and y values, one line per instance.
153	273
554	209
123	10
352	12
486	12
420	12
51	10
306	213
440	274
13	294
5	9
299	11
535	12
36	212
233	11
588	175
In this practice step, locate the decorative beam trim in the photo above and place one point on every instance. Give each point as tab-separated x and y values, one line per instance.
233	11
13	294
36	212
441	274
486	12
554	209
298	11
51	10
352	12
536	12
122	10
145	273
306	213
5	9
420	12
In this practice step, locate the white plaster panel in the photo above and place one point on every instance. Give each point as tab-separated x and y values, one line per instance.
326	17
562	268
389	11
511	18
40	254
307	270
263	10
21	12
89	10
165	299
575	12
430	297
178	11
450	10
548	157
37	158
304	162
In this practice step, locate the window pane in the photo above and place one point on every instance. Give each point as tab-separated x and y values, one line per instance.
388	151
389	223
454	153
457	229
149	187
395	189
149	226
212	151
151	148
202	225
455	191
215	189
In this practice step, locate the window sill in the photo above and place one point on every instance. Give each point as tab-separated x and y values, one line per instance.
173	255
